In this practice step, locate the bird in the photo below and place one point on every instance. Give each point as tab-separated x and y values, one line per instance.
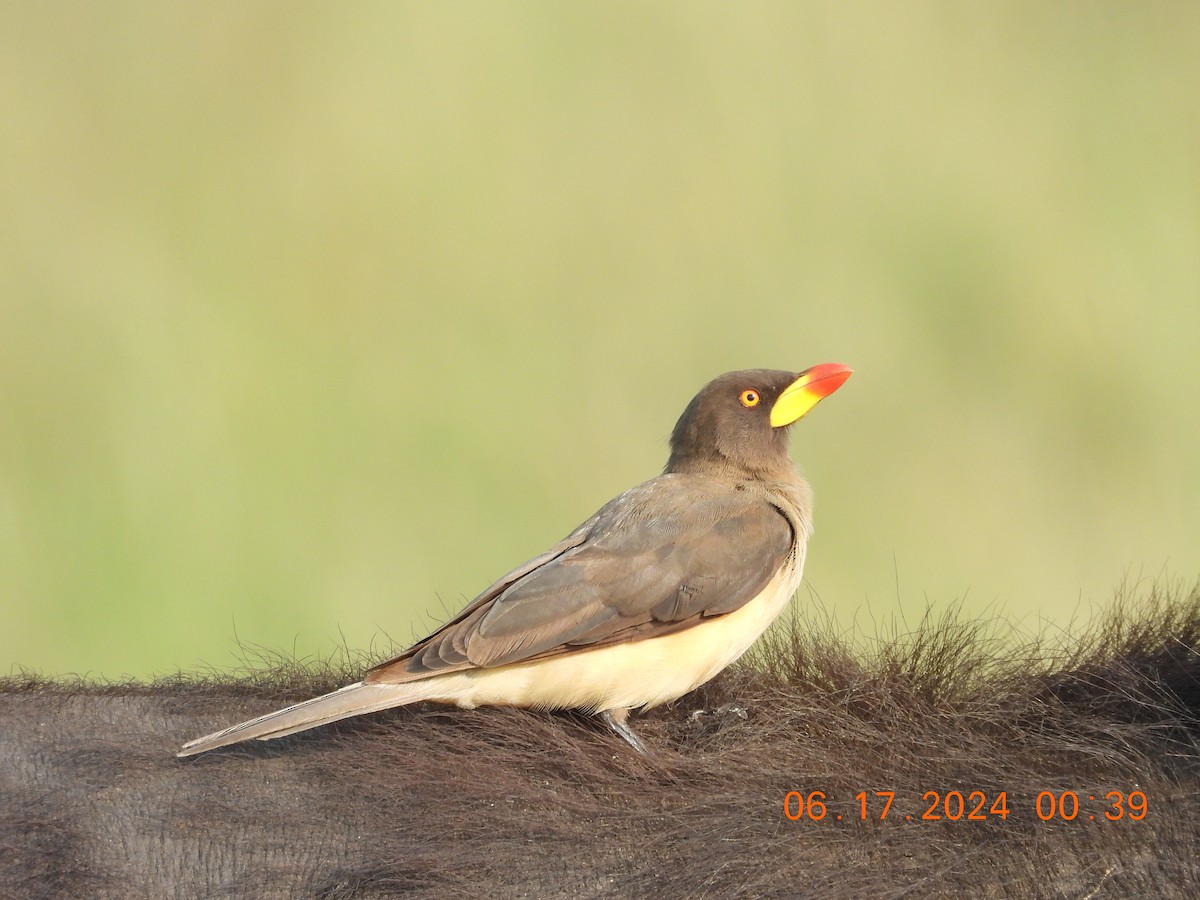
664	587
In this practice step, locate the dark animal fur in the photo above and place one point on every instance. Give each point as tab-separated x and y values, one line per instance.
432	802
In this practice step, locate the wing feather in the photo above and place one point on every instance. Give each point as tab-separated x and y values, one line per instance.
661	557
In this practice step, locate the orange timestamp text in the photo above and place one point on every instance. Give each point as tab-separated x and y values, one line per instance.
972	806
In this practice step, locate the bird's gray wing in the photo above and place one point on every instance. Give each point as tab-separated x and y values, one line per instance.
656	559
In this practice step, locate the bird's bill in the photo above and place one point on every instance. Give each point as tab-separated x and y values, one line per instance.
810	388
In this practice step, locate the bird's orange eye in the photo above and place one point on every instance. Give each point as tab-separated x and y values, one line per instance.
749	399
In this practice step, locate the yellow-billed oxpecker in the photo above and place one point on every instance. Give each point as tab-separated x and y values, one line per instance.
648	599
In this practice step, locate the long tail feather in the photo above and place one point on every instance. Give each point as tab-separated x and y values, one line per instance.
352	700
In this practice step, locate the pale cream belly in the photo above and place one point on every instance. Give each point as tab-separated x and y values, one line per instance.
638	674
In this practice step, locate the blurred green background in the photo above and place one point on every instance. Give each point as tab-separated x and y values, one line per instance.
315	318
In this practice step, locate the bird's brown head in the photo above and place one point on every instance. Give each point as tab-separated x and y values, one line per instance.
737	424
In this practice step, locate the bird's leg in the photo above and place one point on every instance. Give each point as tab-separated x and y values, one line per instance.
615	719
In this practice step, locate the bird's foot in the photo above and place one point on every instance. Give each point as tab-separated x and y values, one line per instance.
615	719
725	711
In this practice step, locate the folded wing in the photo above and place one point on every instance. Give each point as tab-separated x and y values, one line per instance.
661	557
